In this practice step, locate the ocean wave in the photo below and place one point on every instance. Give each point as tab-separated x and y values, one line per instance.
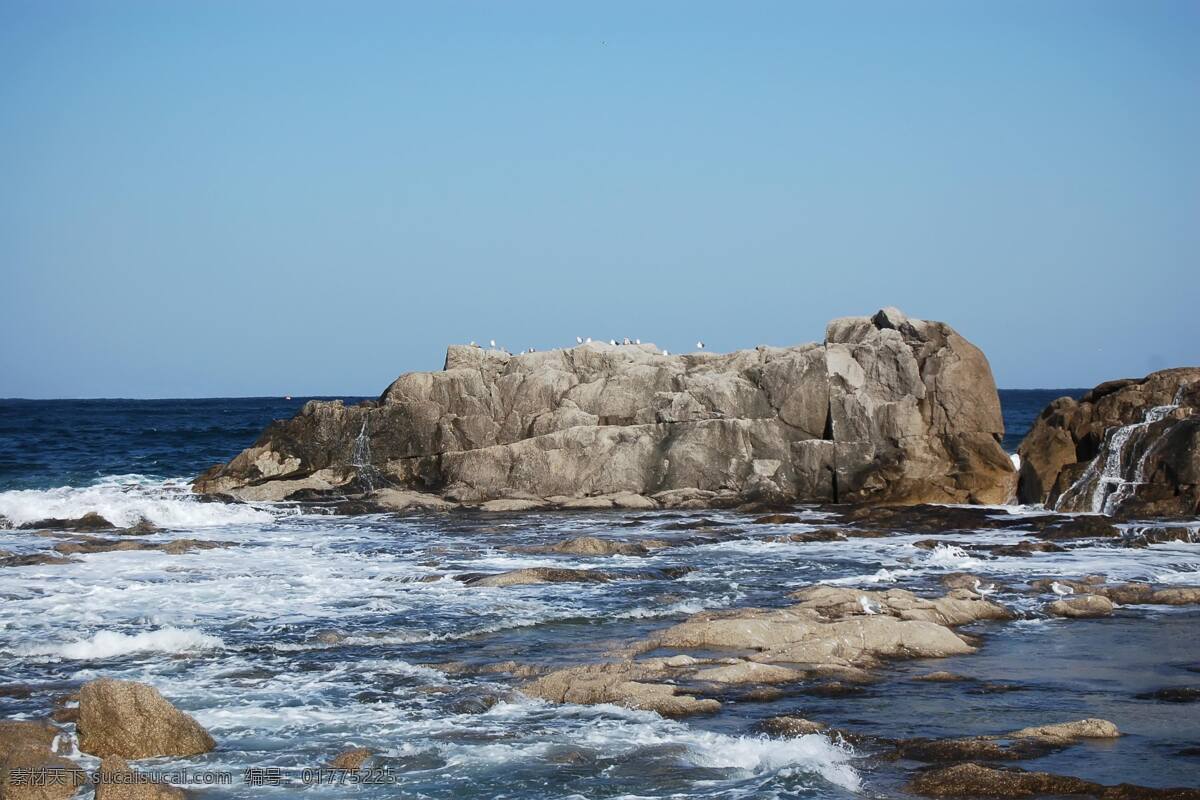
109	644
125	500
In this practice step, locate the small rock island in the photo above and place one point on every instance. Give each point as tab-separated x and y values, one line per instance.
887	410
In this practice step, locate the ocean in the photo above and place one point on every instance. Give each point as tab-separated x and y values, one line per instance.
302	634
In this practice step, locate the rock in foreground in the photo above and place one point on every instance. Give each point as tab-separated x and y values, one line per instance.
887	409
1127	448
132	720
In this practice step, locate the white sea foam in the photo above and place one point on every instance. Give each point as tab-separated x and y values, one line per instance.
125	500
107	644
950	556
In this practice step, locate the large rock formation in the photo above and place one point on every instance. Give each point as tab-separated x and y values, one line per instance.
888	409
132	720
1128	448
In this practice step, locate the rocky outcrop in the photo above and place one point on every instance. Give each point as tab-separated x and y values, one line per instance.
132	720
831	632
1127	448
887	409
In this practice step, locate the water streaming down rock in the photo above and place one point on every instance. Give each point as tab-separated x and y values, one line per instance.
360	459
1116	471
1127	448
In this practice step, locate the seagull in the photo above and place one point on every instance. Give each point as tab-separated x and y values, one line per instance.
627	340
612	341
637	341
699	345
589	340
493	342
665	353
473	343
866	605
1061	590
579	340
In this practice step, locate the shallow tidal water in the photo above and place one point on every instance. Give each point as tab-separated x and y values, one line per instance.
315	633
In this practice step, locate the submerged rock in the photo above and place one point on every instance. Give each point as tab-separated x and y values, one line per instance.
90	521
790	726
976	780
1128	448
132	720
595	546
887	409
352	759
534	575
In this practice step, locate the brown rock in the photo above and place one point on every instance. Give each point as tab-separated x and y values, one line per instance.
27	745
132	720
975	780
352	759
790	726
1146	432
119	781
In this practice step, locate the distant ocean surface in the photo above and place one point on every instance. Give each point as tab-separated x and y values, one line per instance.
50	443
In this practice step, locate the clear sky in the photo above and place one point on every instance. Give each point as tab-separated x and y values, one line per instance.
212	198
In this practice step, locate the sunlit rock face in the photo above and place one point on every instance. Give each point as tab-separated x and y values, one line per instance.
887	410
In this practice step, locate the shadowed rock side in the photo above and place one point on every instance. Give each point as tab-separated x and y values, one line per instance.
888	409
1127	448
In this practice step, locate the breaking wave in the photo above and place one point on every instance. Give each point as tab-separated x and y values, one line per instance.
126	500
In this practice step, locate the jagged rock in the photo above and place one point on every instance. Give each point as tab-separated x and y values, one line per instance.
28	745
888	409
1128	448
1082	607
976	780
119	781
132	720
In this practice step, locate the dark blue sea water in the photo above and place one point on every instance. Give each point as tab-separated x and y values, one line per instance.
45	443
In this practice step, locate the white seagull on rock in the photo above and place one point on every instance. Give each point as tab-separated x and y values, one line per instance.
1060	589
699	345
578	340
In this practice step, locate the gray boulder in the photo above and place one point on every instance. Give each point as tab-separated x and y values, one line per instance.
888	409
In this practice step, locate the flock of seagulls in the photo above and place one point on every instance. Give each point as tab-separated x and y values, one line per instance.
580	340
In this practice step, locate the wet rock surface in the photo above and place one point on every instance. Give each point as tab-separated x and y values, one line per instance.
1129	448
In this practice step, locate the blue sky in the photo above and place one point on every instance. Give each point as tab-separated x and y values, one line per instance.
220	198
